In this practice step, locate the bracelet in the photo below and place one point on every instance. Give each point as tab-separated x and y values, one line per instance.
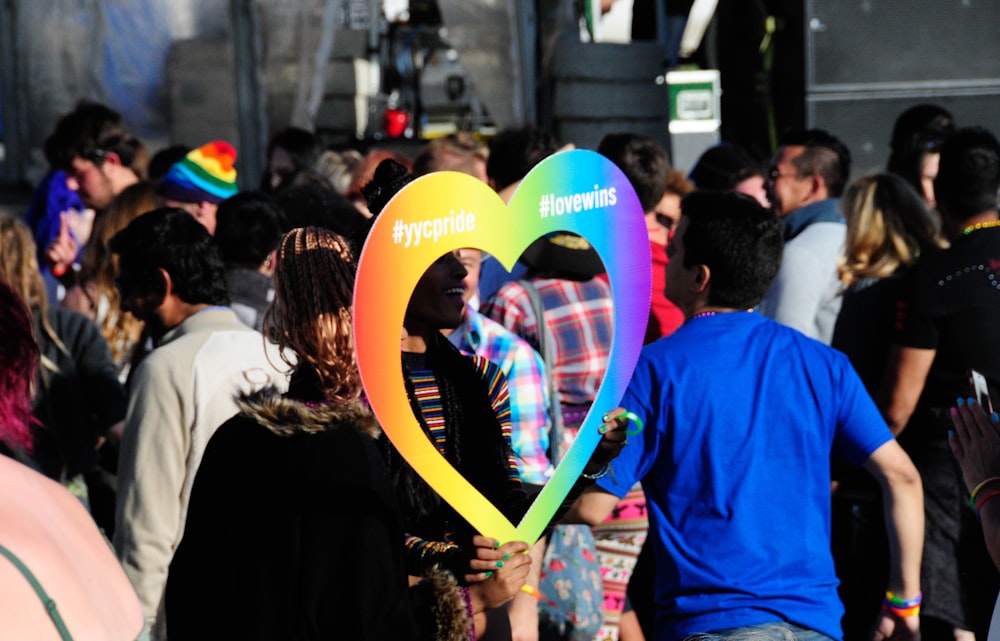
902	608
975	491
532	590
898	602
982	500
467	597
599	474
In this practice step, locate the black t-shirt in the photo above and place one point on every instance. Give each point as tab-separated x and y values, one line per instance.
951	303
864	327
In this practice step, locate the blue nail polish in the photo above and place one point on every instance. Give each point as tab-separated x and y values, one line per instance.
995	417
951	433
960	402
970	402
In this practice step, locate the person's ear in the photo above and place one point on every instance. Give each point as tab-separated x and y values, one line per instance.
113	158
164	284
702	277
817	187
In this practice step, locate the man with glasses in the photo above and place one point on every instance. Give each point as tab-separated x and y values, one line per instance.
805	181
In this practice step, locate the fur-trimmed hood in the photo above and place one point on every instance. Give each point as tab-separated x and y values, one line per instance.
285	416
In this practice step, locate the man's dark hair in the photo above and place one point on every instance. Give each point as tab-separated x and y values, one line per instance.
824	156
90	131
312	205
164	159
249	226
643	161
738	240
919	130
969	174
515	152
300	144
723	166
170	238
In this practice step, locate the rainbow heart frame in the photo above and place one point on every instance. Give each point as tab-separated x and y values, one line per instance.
575	191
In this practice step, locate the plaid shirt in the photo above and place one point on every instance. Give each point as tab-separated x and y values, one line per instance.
529	394
579	316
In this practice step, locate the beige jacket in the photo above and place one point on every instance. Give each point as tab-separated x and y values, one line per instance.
181	393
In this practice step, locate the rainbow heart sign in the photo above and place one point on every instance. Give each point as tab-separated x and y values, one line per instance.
575	191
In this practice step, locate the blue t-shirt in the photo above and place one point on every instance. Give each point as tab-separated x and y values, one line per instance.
741	416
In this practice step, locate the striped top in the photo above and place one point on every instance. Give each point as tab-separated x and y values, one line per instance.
429	399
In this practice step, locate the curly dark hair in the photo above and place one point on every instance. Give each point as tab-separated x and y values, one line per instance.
171	239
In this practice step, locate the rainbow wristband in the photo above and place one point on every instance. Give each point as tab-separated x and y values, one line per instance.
984	499
532	590
901	607
975	491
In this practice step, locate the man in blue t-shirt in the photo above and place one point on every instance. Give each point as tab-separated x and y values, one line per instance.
741	415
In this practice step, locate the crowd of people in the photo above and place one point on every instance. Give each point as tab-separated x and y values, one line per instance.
178	378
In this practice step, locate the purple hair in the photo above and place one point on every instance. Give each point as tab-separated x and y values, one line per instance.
18	359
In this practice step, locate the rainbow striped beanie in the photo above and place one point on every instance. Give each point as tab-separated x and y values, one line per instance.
206	174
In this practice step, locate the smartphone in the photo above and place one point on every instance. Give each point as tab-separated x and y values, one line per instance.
977	383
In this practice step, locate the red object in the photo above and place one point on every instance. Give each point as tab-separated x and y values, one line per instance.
664	316
394	122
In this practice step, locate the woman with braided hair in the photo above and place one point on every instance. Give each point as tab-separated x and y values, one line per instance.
293	531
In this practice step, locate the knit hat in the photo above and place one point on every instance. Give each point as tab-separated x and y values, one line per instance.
206	174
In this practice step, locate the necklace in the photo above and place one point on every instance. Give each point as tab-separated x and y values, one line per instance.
714	313
971	228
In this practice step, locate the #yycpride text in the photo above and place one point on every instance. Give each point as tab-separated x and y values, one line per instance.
433	228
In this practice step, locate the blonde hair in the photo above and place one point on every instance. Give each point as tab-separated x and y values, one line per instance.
338	167
311	311
888	226
19	266
98	266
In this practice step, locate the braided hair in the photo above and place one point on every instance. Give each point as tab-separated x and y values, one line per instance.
311	311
